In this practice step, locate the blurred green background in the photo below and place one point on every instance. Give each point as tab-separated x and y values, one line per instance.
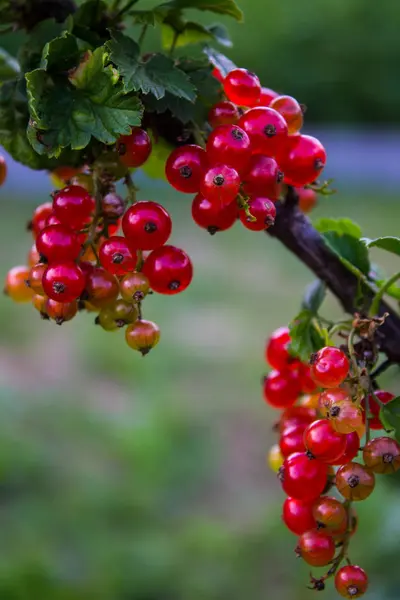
124	478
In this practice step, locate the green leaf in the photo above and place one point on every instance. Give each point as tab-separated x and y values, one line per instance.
389	243
194	33
157	75
390	416
149	17
306	337
9	67
351	251
30	53
314	296
95	105
341	226
222	7
219	61
61	54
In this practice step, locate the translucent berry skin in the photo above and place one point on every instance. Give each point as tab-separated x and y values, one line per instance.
53	220
184	168
117	315
220	185
15	284
277	349
302	159
242	87
281	389
146	225
116	256
266	129
264	212
58	243
345	416
35	278
169	270
330	514
229	145
73	206
382	455
374	408
40	214
208	216
33	256
316	548
223	113
329	367
308	385
290	110
101	287
323	442
3	169
303	478
63	282
134	149
39	303
329	397
134	287
298	516
351	581
307	199
296	415
275	458
263	177
142	336
292	439
266	96
354	481
61	311
351	449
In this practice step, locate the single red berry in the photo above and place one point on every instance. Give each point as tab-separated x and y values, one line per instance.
61	311
323	442
330	397
63	282
101	287
277	349
316	548
290	110
169	270
3	169
382	455
206	215
292	439
146	225
40	214
330	515
374	408
307	199
220	185
281	388
242	87
229	145
134	149
35	279
58	243
52	220
354	481
302	477
301	158
223	113
351	449
73	206
329	367
116	256
185	167
345	416
296	415
266	96
262	210
308	385
298	516
351	581
266	129
263	177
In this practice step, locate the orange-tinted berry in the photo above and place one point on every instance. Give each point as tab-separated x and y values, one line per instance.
142	336
354	481
15	284
382	455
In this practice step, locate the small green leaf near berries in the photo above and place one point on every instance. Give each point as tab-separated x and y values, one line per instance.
222	7
390	416
340	226
306	337
389	243
219	61
314	296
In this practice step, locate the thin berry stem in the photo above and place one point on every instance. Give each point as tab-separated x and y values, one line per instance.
374	309
143	34
352	353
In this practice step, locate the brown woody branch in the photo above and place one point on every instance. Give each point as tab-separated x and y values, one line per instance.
295	231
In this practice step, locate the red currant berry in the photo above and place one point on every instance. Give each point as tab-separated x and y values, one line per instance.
40	214
61	311
329	367
302	477
52	220
35	278
323	442
330	397
142	336
374	408
134	149
351	449
263	177
63	282
277	349
206	215
266	129
169	270
73	206
281	388
3	169
382	455
101	287
301	158
116	256
266	96
39	304
134	287
58	243
262	210
307	199
184	168
33	256
15	284
217	74
308	385
220	185
316	548
146	225
242	87
351	581
330	514
292	439
345	416
354	481
290	110
298	516
296	415
223	113
229	145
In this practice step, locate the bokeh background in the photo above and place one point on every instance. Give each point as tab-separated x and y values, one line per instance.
124	478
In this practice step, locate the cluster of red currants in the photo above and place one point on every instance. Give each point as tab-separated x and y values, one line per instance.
320	428
253	148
